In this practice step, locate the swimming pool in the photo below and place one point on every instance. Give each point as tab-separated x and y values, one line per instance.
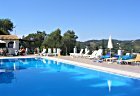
42	77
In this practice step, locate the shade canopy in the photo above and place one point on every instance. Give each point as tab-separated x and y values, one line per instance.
14	46
75	49
2	41
110	45
86	49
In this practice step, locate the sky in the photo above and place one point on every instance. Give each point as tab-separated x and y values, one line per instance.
89	19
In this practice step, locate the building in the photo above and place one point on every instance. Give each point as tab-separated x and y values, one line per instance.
11	42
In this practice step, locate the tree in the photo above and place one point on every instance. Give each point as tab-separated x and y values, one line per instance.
69	41
6	26
53	40
38	39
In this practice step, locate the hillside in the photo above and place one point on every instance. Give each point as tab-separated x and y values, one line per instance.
126	45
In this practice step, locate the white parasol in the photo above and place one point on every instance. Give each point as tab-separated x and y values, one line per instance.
110	45
14	46
2	41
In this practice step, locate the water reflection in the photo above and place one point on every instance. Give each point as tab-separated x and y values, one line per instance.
109	82
7	68
6	77
104	80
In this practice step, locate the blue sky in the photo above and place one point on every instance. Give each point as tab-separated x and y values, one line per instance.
90	19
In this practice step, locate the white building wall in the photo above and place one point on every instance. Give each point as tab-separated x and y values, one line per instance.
12	50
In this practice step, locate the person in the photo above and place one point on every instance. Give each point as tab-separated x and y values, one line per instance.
35	51
22	51
1	51
5	51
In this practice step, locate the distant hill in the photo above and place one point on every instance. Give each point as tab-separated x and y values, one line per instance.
126	45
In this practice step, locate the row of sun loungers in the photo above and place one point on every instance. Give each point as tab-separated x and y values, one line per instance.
127	61
56	52
97	56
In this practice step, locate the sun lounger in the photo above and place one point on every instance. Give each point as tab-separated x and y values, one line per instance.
106	56
85	55
43	53
137	59
74	51
54	52
128	60
58	52
49	53
90	56
112	59
77	54
99	53
93	55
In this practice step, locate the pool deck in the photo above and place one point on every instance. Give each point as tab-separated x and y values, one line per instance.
127	70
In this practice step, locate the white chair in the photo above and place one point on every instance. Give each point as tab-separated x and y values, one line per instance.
26	51
86	49
93	55
78	54
127	54
86	54
99	53
43	53
54	52
49	52
58	51
74	51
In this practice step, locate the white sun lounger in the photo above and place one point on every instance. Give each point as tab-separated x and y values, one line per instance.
54	52
77	54
43	53
92	56
86	54
49	53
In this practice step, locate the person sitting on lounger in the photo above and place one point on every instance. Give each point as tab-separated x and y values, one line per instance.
21	51
35	51
1	51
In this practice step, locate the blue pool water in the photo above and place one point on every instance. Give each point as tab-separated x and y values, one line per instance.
41	77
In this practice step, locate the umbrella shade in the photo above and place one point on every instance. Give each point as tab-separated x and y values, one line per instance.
75	50
14	46
2	41
110	45
86	49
